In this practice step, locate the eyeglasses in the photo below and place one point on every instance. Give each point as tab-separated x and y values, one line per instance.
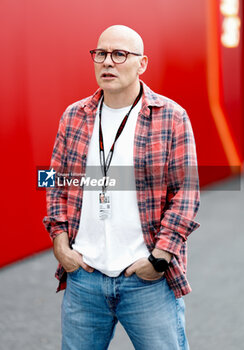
117	56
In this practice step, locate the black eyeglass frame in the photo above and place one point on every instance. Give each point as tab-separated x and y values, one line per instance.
92	52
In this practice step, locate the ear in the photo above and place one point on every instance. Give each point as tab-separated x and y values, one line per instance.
143	65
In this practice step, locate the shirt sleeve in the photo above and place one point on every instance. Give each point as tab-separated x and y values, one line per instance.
183	195
56	197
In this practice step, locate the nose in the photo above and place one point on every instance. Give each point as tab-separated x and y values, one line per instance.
108	61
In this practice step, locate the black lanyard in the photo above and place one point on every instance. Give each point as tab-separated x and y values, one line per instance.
106	164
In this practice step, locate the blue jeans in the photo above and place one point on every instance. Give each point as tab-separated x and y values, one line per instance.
148	310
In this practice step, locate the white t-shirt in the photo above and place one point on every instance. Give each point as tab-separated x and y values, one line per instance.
112	244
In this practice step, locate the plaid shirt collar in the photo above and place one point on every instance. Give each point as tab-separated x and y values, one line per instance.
149	99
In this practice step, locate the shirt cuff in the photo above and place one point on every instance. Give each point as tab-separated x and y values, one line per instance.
174	231
55	225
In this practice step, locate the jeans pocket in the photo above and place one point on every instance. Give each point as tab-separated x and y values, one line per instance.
148	281
72	273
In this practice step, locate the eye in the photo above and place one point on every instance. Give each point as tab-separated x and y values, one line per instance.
119	54
100	53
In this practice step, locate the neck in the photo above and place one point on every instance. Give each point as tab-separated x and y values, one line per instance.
121	99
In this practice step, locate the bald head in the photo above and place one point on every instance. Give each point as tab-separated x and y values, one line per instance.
124	36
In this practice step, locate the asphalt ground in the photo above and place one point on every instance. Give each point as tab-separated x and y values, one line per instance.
30	308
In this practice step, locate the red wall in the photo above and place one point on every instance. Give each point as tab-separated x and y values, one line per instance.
45	65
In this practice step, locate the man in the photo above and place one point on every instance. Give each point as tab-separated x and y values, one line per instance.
127	262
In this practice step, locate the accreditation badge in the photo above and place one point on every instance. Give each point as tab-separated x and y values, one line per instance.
104	206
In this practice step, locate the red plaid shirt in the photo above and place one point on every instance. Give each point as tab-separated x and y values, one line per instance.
165	165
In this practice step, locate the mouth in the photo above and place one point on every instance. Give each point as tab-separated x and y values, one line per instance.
108	75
